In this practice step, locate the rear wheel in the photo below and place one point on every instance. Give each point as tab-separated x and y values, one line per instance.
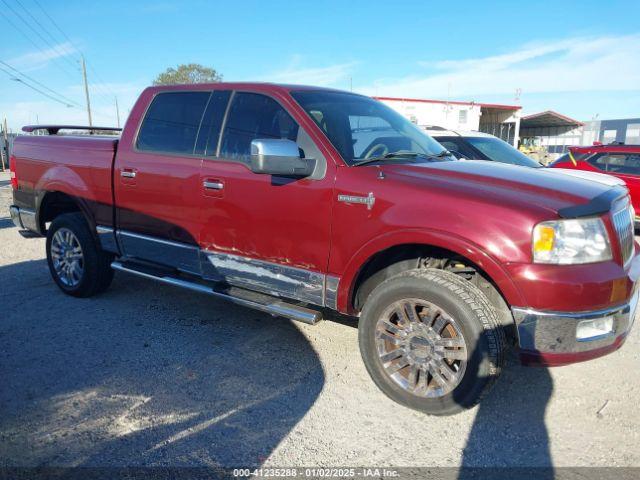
431	341
77	263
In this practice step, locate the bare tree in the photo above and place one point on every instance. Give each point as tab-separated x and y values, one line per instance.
191	73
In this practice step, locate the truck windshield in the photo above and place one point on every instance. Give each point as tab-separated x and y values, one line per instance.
361	128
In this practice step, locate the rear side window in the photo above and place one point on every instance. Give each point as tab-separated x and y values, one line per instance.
172	121
252	116
622	163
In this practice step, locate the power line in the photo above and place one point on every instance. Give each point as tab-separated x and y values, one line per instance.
13	77
66	99
68	50
107	95
30	39
34	30
104	93
55	46
55	24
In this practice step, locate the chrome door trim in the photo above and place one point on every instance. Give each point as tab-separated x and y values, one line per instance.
275	279
182	256
267	277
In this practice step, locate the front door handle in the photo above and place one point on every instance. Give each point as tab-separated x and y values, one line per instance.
128	173
213	185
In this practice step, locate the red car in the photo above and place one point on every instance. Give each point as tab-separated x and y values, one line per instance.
621	161
299	201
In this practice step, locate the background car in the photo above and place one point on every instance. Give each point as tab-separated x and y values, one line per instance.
617	160
472	145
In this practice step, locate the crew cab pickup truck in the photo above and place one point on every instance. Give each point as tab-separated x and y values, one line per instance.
302	201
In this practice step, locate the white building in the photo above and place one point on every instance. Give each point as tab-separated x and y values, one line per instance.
500	120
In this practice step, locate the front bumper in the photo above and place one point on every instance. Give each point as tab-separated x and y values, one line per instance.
551	338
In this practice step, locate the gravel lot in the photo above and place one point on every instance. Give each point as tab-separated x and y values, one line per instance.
147	374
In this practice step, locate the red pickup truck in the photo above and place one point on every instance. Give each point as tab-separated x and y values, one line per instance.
300	201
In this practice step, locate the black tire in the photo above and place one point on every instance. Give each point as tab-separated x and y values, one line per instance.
476	319
97	272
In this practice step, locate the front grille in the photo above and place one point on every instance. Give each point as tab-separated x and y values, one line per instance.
623	223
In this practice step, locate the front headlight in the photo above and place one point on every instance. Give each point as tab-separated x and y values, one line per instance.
581	240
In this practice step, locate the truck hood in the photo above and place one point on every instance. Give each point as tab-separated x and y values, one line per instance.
527	188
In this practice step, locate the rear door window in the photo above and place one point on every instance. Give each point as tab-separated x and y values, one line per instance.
172	121
253	116
622	163
209	134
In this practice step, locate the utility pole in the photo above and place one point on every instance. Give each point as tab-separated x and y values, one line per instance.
5	151
86	90
117	112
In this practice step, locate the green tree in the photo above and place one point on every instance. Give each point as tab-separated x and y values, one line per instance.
191	73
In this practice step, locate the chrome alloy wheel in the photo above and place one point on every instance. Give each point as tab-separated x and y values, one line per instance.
68	260
421	347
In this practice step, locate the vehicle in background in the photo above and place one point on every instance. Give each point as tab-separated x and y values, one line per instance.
615	159
472	145
532	148
299	201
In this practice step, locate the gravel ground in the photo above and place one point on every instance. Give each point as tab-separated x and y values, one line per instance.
147	374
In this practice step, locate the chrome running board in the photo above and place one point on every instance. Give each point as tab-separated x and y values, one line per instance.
257	301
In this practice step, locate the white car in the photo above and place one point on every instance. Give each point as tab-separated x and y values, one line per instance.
472	145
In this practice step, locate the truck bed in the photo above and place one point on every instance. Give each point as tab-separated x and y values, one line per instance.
79	165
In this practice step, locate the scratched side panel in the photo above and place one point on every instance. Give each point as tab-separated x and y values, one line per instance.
271	278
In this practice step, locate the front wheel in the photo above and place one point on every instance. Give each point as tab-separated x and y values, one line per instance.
431	341
77	263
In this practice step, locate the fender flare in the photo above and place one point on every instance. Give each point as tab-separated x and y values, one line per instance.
434	238
62	179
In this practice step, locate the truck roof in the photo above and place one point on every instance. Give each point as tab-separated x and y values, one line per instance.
259	86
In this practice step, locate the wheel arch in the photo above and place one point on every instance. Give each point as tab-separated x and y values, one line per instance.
403	249
54	203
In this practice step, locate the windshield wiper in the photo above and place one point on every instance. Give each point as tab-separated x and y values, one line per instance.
402	154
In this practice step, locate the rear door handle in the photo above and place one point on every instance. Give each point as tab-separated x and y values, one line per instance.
128	173
213	185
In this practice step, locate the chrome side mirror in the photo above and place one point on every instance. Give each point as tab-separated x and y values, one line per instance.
273	156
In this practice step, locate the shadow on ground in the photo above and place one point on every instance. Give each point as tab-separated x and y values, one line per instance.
6	222
509	430
144	375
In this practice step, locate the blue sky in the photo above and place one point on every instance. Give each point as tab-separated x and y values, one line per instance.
579	58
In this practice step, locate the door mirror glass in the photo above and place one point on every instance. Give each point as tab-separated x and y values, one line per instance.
279	157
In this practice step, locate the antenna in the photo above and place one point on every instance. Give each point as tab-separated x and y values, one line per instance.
86	90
